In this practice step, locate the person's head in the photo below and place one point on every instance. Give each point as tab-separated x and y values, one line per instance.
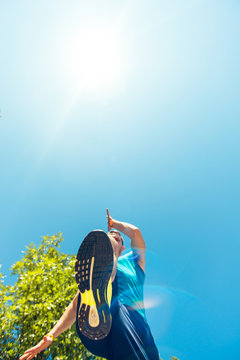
117	242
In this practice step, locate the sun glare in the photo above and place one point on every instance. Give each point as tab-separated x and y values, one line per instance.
94	60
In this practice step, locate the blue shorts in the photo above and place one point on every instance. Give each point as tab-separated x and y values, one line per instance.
130	337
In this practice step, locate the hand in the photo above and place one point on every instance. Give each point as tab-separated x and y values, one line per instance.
42	345
109	220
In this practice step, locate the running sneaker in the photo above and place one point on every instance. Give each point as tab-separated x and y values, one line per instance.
93	269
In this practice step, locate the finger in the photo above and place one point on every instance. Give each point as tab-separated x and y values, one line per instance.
31	356
32	352
108	213
25	355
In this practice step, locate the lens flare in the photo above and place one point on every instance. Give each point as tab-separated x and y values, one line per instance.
162	303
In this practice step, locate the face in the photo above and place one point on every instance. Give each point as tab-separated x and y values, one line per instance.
117	242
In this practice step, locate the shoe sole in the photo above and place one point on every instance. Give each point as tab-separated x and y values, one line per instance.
93	269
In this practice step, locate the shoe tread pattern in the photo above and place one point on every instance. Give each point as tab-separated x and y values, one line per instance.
97	245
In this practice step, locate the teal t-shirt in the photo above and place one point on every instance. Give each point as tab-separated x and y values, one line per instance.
130	278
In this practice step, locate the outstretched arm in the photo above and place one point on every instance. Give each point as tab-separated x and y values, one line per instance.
133	232
67	319
65	322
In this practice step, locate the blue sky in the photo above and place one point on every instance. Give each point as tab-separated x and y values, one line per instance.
133	106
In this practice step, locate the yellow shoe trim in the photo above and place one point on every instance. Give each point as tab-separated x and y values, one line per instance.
98	296
88	298
109	292
104	316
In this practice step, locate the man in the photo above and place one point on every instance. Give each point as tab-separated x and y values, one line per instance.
113	327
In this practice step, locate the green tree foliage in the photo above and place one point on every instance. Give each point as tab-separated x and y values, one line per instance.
31	307
44	287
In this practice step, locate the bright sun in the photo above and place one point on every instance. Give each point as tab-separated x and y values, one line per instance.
94	60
